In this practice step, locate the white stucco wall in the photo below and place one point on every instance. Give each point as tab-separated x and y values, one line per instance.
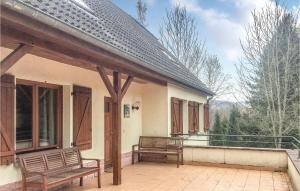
294	174
155	120
237	156
197	140
43	70
157	108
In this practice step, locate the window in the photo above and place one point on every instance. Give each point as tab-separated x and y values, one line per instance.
47	117
38	116
24	116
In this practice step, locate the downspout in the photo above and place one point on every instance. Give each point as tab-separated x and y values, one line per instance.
210	98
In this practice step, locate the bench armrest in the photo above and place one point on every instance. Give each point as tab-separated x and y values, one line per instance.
176	148
134	146
92	159
180	148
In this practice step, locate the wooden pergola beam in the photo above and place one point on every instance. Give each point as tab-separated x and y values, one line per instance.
13	57
126	85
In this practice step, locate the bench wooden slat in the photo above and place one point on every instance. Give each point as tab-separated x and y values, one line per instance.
157	152
35	164
72	157
55	161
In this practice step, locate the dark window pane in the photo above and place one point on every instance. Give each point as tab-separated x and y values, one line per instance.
24	116
47	116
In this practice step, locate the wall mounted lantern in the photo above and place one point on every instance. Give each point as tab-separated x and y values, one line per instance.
135	106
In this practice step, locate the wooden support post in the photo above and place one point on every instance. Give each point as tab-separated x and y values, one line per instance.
117	92
13	57
116	142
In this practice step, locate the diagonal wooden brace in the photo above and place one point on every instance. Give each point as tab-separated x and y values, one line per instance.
13	57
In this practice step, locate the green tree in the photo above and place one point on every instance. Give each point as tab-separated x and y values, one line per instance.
219	131
234	122
270	69
234	128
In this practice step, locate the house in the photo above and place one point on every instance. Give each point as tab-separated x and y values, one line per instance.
86	74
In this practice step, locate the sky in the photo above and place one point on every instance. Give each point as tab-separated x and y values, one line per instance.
221	25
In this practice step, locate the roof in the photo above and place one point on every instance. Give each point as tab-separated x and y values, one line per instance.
108	24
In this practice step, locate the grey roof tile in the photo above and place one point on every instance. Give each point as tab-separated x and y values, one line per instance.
107	23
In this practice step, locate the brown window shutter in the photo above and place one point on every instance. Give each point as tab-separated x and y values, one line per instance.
191	117
7	132
173	116
176	116
196	118
180	130
206	117
82	117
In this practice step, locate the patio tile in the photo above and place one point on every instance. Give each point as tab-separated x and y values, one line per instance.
166	177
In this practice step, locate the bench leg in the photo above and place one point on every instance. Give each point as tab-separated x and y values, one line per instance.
132	160
139	157
24	188
99	178
24	185
45	183
81	181
178	160
45	188
182	158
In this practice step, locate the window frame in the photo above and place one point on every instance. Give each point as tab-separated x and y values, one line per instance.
35	116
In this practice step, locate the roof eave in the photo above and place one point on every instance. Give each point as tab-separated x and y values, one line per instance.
55	23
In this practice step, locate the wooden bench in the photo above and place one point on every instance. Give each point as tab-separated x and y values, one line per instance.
48	169
159	146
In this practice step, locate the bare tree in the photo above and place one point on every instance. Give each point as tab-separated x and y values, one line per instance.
214	78
178	33
141	8
268	72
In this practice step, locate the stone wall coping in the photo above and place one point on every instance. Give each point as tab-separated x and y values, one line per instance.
293	155
235	148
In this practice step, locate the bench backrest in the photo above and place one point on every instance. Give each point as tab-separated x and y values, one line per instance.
72	157
163	143
50	161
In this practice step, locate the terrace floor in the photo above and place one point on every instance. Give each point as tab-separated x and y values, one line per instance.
166	177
